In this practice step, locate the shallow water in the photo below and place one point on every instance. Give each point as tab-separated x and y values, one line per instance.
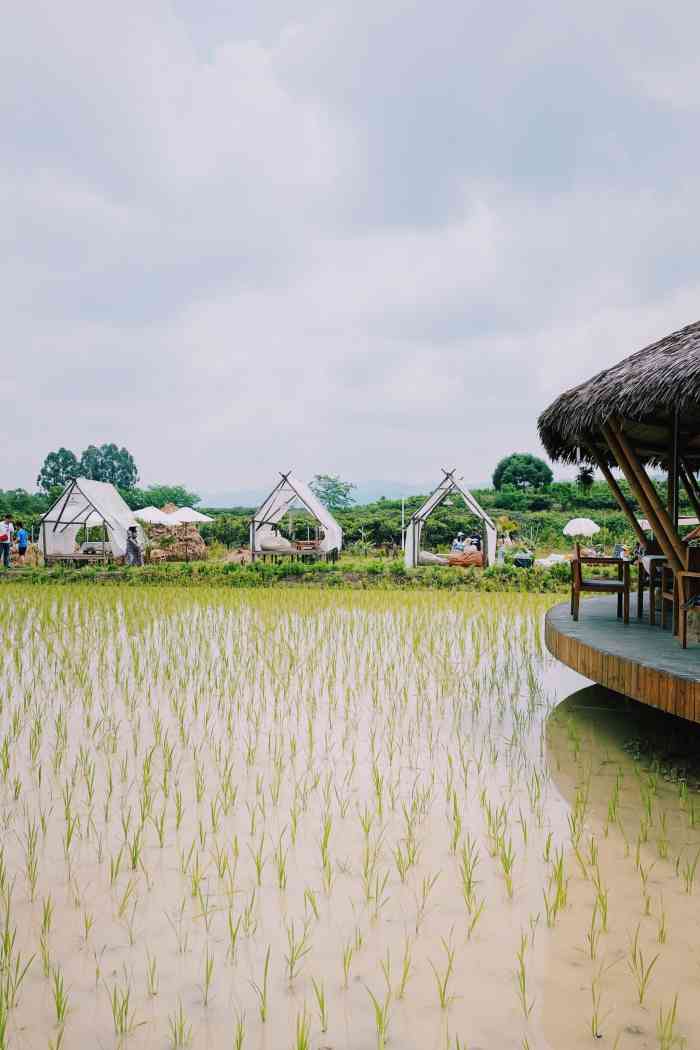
330	737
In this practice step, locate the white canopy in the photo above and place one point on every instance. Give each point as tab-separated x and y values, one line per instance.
185	515
286	493
85	503
449	485
153	516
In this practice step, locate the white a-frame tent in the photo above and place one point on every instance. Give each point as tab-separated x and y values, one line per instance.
286	493
86	504
448	486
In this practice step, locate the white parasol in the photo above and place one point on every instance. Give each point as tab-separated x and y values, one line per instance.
581	527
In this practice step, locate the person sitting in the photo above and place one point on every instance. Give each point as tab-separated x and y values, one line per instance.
458	543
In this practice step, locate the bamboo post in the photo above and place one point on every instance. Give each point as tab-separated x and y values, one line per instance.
673	470
618	494
626	468
651	494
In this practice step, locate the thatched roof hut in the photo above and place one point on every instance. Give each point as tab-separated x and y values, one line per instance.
644	392
643	411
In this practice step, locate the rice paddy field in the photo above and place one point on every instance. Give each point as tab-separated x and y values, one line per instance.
306	820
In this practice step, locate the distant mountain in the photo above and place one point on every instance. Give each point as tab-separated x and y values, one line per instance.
366	492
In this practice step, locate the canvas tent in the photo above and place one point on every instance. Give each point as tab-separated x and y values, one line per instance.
85	504
288	492
450	485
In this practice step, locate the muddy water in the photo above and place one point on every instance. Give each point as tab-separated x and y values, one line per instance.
161	748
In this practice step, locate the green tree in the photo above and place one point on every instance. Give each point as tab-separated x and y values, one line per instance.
522	471
109	463
159	495
58	469
332	492
585	479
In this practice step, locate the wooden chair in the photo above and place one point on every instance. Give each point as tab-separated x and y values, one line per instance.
688	587
620	586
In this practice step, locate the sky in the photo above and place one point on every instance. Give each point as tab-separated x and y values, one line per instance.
367	239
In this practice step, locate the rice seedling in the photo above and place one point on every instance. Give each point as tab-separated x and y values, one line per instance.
526	1004
688	871
123	1016
322	1003
239	1032
59	996
152	981
666	1033
302	1039
180	1029
348	952
640	970
207	977
299	947
261	990
381	1019
442	979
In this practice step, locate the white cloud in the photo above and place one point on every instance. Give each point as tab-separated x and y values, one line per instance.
367	240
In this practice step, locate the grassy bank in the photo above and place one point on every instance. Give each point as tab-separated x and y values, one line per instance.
361	573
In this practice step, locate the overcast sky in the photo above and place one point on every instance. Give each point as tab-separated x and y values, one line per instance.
367	238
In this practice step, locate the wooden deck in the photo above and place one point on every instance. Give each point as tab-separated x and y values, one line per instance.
636	659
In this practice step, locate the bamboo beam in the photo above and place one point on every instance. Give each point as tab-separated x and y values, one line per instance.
626	468
618	494
691	477
651	494
687	479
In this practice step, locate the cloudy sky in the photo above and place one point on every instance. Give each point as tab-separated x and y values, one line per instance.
362	238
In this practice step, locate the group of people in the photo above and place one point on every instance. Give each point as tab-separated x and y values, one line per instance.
460	544
12	537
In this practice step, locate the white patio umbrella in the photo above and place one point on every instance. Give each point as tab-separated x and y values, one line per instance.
152	515
581	527
185	515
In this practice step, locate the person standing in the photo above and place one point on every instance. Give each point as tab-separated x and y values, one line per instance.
22	542
6	531
134	554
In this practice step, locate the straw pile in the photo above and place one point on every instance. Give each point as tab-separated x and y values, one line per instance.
175	543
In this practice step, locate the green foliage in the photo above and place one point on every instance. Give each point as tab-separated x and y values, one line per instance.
367	573
522	471
109	463
332	492
23	505
57	469
585	479
159	495
106	463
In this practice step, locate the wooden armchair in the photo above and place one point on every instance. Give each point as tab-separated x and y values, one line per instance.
620	586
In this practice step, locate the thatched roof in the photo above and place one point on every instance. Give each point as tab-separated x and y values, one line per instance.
643	391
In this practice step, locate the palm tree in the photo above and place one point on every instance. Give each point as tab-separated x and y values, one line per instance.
585	478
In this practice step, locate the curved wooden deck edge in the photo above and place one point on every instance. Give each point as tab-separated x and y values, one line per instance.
676	692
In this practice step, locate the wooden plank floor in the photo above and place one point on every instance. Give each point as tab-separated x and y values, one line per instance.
636	659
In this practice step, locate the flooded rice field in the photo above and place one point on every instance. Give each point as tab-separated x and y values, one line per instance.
310	820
